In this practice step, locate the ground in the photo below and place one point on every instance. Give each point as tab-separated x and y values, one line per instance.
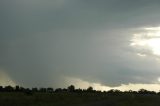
77	99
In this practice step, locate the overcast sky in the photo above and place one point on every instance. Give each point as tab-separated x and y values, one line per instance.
59	42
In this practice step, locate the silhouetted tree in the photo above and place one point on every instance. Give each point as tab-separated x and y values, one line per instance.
64	90
114	92
34	89
158	93
90	89
130	91
110	91
21	89
50	90
71	88
143	91
8	88
28	92
78	90
17	88
42	89
117	91
1	88
58	90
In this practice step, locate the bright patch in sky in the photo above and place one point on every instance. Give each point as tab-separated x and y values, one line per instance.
5	80
79	83
142	55
159	79
148	40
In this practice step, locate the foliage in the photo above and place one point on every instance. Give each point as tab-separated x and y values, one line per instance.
19	96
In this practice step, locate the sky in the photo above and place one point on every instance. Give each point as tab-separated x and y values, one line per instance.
101	43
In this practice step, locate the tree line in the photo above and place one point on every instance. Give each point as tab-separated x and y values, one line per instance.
70	88
17	88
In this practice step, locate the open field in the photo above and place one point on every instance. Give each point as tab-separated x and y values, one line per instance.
78	99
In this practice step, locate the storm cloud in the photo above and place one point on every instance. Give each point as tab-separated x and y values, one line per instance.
42	42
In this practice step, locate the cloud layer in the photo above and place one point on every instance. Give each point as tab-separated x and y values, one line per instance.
42	42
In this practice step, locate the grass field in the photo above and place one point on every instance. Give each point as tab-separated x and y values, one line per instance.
77	99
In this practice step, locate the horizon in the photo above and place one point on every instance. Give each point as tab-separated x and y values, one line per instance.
89	89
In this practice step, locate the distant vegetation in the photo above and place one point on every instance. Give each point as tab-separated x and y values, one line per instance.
70	88
20	96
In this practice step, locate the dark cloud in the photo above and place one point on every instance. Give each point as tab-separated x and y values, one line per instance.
42	41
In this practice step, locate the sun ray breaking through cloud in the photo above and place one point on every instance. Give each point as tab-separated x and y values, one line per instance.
147	40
